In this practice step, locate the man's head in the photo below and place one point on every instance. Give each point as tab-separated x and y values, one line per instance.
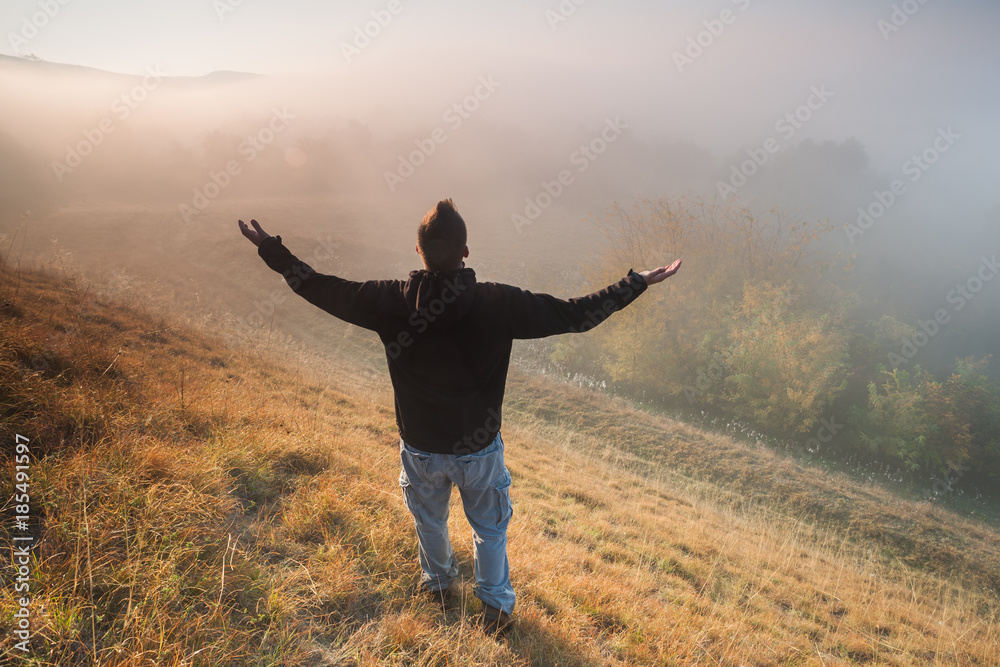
441	238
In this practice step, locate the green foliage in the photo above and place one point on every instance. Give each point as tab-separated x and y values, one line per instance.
895	422
931	425
966	408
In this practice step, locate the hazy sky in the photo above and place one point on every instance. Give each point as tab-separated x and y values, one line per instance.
929	64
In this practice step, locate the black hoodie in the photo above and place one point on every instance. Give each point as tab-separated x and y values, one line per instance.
448	339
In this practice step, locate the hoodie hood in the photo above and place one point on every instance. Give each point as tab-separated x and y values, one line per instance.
439	298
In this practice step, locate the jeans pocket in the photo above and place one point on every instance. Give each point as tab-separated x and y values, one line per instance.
415	466
501	485
411	500
475	471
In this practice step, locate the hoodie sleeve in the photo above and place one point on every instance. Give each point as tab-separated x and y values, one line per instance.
360	303
531	315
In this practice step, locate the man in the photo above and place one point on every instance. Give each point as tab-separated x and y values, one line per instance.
448	342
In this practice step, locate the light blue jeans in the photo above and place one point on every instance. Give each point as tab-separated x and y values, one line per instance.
484	484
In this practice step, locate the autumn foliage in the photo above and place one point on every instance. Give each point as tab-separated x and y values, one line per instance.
756	327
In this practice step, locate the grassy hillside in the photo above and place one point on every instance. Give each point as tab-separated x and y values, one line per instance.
910	533
204	503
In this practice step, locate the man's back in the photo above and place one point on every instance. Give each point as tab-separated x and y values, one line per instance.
448	339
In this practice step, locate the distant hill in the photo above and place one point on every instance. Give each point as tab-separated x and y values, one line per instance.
29	65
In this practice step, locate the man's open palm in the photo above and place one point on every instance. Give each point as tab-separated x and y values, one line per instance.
654	276
256	237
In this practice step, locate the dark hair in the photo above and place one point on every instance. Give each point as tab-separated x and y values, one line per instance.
441	237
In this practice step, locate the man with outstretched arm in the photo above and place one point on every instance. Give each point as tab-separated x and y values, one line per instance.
448	341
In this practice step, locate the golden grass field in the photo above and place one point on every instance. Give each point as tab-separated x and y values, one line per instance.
201	500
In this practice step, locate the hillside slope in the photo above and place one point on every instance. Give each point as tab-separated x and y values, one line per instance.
908	533
202	504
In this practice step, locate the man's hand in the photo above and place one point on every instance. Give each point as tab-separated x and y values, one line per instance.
256	237
654	276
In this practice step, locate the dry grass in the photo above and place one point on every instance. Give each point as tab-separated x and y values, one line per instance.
198	504
910	533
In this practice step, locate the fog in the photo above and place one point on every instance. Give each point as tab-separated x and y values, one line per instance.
136	136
